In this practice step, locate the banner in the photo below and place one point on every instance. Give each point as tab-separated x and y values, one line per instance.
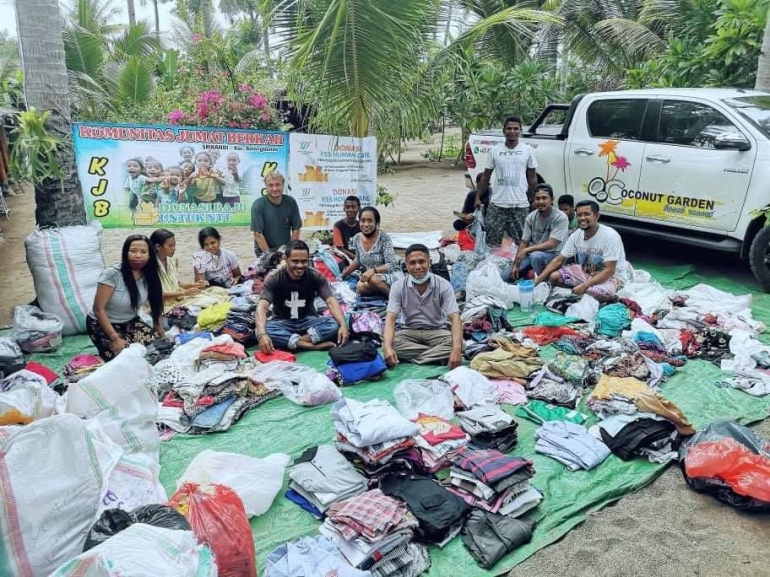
136	175
326	169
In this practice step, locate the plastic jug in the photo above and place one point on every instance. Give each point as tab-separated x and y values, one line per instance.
525	295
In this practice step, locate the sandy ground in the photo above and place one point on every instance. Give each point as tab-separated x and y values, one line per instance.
664	529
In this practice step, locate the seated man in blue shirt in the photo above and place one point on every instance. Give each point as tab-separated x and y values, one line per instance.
425	302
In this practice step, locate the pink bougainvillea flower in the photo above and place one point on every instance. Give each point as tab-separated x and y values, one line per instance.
233	125
258	101
245	124
197	37
244	88
264	117
621	163
175	116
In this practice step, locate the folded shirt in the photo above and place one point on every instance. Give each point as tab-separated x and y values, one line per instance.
365	424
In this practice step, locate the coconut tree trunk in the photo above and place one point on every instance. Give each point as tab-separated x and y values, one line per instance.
131	12
207	17
157	17
763	66
45	87
266	44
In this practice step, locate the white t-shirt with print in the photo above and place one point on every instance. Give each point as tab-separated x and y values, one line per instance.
509	180
591	254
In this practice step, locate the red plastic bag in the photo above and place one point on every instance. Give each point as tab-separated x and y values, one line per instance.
218	519
726	459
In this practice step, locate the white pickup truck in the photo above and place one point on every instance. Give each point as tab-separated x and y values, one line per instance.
686	165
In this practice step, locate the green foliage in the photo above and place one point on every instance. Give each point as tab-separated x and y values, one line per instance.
385	197
33	154
709	52
484	93
451	149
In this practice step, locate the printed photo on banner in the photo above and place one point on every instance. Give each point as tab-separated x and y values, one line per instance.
324	170
135	175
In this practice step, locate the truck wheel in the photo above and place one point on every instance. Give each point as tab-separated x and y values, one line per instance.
759	257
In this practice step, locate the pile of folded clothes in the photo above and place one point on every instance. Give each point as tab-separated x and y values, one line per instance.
182	317
570	444
225	354
240	320
374	532
214	317
320	477
438	442
214	398
494	482
440	513
489	427
372	433
80	366
489	537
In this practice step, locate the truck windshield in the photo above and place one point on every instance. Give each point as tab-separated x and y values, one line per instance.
755	109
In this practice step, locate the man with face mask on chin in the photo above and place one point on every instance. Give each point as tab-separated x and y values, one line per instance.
426	304
295	324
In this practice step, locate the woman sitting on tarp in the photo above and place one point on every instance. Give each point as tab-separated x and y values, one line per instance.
164	243
123	289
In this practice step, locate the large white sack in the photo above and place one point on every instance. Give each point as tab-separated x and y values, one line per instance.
54	474
142	550
117	396
134	483
26	397
65	264
257	481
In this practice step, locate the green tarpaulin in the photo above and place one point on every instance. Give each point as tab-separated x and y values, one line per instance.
280	426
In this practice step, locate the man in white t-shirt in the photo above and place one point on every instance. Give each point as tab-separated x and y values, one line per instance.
600	267
514	165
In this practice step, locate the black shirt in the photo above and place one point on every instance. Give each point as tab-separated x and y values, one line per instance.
347	232
293	299
470	201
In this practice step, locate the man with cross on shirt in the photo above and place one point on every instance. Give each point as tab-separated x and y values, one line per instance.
292	291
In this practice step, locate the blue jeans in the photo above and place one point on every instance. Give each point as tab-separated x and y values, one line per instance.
286	332
537	261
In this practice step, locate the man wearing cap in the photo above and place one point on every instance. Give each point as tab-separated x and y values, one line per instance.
545	231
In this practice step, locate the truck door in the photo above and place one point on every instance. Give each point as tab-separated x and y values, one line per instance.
687	177
604	154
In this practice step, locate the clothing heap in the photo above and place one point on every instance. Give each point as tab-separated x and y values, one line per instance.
483	316
508	358
320	477
183	317
240	320
80	366
374	532
439	442
205	387
214	317
373	434
494	482
265	263
489	427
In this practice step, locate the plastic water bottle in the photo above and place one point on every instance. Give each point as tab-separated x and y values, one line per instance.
525	295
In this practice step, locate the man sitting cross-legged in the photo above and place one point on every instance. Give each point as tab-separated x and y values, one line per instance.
426	303
296	324
600	267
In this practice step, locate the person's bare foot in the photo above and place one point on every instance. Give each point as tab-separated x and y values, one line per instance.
309	346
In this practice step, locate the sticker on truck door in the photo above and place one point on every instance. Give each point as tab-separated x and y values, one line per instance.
611	192
608	188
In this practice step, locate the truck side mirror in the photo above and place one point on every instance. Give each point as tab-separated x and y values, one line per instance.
732	141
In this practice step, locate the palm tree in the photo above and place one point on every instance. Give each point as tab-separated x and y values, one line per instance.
110	66
58	202
367	59
763	65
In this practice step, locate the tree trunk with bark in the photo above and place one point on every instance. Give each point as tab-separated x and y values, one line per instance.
157	17
45	87
763	66
266	43
207	17
131	12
